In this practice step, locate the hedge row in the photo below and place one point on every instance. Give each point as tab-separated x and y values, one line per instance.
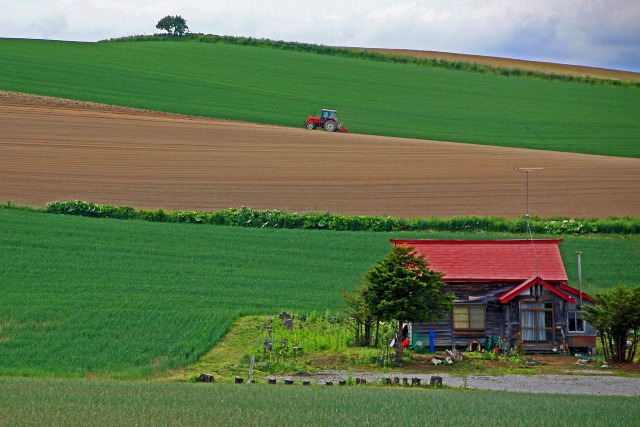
246	217
373	56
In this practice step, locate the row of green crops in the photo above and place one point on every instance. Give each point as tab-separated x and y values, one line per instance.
25	402
129	299
372	56
246	217
126	299
283	87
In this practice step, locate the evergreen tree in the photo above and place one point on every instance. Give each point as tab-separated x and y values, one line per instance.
402	288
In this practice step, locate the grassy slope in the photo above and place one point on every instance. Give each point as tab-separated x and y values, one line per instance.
78	403
132	299
282	87
126	297
548	68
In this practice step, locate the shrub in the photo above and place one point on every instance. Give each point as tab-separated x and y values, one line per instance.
247	217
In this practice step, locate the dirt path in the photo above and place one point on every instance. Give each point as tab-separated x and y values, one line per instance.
64	151
604	385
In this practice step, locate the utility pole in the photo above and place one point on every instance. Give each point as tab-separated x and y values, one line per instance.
578	253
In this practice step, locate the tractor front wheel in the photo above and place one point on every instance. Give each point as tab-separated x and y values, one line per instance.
330	126
310	125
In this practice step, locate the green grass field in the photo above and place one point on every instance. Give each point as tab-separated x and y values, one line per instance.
128	299
37	402
282	87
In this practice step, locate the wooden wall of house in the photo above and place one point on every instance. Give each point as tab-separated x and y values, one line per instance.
442	330
446	337
472	290
470	294
560	315
502	320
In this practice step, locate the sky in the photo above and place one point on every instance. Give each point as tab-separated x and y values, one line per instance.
596	33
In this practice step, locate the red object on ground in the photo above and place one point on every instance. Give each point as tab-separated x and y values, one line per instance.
405	342
327	121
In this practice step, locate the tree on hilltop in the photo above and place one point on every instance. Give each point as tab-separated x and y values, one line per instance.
173	25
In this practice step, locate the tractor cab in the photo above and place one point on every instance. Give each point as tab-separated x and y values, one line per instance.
328	114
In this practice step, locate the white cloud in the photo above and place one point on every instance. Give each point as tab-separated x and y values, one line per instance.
584	32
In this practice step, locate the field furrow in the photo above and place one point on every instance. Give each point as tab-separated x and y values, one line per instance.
152	160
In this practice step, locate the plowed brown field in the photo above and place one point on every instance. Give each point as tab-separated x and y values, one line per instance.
149	160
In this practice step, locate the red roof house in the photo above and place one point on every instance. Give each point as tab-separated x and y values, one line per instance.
506	289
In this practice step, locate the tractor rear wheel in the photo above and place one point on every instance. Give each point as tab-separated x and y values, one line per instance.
330	126
311	126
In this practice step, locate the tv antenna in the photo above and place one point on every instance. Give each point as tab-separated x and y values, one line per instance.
526	213
527	170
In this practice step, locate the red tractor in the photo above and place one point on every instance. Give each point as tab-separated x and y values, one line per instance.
327	121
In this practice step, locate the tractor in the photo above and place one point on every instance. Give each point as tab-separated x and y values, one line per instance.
327	121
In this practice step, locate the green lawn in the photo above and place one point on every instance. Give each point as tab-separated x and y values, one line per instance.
128	299
38	402
283	87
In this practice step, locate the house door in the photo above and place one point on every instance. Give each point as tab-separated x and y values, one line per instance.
536	322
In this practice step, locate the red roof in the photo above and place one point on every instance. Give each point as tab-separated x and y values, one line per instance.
517	290
492	260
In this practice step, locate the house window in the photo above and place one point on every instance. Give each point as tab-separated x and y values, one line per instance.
536	321
469	318
574	322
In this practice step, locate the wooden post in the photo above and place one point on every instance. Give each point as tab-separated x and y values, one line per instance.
253	360
399	343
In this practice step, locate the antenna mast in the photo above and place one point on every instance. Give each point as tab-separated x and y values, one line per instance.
526	214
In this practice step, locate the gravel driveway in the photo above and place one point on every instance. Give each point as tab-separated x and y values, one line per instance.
604	385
